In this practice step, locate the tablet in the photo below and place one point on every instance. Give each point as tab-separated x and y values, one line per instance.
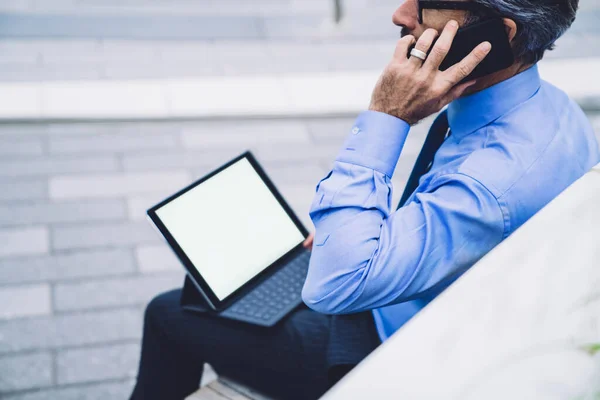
229	229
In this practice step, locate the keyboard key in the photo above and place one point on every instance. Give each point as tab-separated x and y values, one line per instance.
275	295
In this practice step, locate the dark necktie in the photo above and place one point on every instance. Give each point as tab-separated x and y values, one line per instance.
436	136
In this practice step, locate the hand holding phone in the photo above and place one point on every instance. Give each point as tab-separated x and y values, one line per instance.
413	88
469	37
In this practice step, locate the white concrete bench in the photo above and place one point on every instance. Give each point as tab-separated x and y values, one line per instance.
523	323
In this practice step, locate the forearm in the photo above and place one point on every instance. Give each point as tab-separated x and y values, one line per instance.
351	240
365	257
349	210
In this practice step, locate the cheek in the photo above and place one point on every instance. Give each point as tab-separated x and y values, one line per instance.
437	19
434	19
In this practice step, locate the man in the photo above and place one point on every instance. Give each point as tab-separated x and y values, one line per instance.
514	143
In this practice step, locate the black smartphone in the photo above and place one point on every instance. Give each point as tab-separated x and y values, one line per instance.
467	38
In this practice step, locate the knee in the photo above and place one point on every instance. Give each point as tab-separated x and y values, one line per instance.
160	307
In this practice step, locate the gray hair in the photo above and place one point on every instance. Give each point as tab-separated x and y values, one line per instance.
539	23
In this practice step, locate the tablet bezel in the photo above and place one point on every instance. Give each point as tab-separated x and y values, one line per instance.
197	278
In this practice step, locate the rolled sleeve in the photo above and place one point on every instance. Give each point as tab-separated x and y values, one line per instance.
375	142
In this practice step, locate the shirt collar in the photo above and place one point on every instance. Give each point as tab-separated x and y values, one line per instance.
468	114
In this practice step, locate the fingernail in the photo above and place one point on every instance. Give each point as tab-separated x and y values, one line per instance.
453	24
486	46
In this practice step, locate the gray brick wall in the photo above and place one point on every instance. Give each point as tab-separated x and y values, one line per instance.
105	129
138	205
94	391
79	236
26	371
166	160
97	363
157	258
330	130
111	143
113	292
19	146
28	73
24	301
245	134
24	241
86	264
19	52
45	166
112	185
278	154
70	330
295	174
24	189
62	212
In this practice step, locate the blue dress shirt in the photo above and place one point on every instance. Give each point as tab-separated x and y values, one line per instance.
513	148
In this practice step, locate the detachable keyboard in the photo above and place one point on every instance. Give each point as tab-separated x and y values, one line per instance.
273	298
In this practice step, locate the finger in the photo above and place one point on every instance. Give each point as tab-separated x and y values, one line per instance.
308	242
442	46
401	52
461	70
423	44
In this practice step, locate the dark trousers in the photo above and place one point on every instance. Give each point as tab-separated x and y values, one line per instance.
299	358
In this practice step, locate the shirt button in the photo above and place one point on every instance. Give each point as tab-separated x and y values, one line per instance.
355	130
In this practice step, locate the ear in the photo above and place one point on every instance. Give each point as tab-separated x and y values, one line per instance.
511	28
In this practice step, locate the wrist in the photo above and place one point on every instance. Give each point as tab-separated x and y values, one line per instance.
392	111
376	141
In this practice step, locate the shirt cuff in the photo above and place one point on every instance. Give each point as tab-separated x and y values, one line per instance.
375	142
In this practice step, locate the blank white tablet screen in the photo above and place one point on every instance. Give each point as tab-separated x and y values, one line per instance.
231	227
